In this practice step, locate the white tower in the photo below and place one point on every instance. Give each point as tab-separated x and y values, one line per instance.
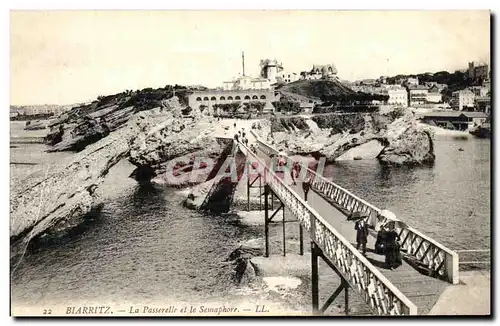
270	69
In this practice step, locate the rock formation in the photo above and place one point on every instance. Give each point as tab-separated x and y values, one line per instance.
244	271
54	201
179	152
51	201
86	124
413	147
35	125
395	137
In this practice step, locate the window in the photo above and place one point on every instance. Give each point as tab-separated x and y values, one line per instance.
198	99
222	98
247	97
229	98
255	97
213	98
237	98
205	98
262	97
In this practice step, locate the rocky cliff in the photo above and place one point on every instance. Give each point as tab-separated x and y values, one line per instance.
86	124
394	137
54	201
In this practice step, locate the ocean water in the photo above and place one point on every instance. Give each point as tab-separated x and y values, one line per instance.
146	247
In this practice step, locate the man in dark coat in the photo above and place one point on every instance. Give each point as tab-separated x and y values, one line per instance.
392	254
361	234
306	185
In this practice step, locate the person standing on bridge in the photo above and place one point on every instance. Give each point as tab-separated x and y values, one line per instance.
392	254
306	185
361	235
295	172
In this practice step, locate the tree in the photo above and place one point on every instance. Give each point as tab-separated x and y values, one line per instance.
187	111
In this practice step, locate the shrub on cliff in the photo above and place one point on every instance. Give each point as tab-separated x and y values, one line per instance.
380	122
396	113
148	98
339	123
227	109
254	106
186	111
287	106
288	124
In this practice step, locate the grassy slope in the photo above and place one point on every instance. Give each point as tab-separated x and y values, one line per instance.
314	89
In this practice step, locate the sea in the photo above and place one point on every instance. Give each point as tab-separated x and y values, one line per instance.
146	247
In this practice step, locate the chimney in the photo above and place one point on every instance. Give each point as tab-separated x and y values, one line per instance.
243	61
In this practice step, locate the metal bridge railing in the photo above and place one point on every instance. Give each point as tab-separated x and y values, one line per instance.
430	253
378	292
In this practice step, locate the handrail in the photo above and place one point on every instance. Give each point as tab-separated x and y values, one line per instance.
438	258
380	294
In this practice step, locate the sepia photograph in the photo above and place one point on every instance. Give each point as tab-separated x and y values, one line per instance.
228	163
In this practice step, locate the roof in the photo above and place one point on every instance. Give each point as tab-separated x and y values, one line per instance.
324	68
418	87
463	91
455	114
259	79
395	88
475	114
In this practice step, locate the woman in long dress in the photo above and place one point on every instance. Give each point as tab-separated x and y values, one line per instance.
392	248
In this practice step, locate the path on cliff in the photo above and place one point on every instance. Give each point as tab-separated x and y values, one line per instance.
225	128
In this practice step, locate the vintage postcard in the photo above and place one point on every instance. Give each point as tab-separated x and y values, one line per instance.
250	163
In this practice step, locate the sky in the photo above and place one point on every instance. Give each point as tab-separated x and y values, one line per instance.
64	57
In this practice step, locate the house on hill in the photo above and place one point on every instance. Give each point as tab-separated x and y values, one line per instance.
434	95
417	95
328	71
462	99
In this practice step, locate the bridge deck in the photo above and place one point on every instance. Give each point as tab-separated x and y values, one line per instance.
422	290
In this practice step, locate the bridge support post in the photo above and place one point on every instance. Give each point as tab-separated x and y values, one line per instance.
346	296
248	188
284	232
316	252
301	240
260	189
266	219
314	278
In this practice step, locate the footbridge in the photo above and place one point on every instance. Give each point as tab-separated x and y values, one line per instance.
410	289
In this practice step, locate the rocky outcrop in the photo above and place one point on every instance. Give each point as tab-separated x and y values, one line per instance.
413	147
244	270
57	199
393	137
54	201
198	193
88	123
178	152
35	125
87	132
